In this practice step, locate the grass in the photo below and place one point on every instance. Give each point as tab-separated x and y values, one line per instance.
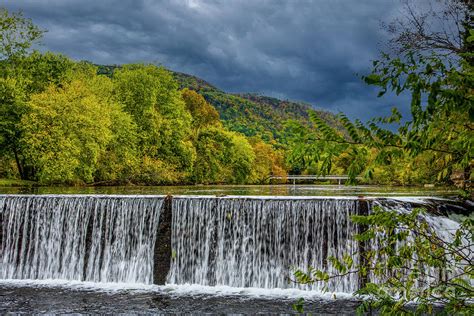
16	183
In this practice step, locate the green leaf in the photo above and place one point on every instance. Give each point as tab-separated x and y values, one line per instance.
372	79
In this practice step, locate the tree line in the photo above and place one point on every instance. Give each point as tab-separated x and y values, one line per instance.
63	123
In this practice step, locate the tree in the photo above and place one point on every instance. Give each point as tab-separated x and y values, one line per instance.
13	106
32	74
268	162
432	26
39	70
203	114
69	131
441	123
240	157
222	157
434	66
119	162
151	96
441	132
17	34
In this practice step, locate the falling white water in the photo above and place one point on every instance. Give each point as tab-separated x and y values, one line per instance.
46	237
258	242
216	241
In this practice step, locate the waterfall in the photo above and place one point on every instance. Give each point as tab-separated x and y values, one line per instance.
84	238
232	241
259	242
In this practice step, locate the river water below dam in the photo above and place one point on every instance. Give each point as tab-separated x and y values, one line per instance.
111	253
63	297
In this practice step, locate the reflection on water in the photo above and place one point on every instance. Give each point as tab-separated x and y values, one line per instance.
282	190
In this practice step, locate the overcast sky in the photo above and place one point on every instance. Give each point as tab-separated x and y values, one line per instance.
312	51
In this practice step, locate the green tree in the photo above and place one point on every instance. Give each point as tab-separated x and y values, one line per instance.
119	162
32	74
12	107
309	152
439	134
241	158
436	68
39	70
222	157
69	131
151	96
17	34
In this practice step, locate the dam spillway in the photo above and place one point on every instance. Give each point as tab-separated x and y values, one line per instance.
257	242
98	239
205	240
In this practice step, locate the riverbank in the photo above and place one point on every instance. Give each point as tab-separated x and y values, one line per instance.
17	183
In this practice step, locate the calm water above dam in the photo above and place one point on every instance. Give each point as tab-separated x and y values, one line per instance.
256	190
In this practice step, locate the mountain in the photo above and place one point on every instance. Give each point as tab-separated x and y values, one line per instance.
253	114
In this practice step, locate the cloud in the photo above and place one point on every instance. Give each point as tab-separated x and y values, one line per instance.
313	51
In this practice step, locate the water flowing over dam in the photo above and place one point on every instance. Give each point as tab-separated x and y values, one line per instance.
256	242
231	241
79	238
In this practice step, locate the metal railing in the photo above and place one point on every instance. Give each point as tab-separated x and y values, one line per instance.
339	178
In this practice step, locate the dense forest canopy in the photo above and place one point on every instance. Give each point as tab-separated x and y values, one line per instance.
72	125
72	122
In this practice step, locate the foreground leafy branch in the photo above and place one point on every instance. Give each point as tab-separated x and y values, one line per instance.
441	124
409	268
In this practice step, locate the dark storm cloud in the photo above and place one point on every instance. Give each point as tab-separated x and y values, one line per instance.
313	51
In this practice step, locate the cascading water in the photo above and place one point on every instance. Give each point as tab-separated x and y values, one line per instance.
99	239
258	242
232	241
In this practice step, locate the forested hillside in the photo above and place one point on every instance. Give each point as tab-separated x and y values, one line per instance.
246	113
251	114
68	122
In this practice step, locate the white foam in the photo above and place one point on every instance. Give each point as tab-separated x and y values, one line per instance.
179	290
416	199
186	289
